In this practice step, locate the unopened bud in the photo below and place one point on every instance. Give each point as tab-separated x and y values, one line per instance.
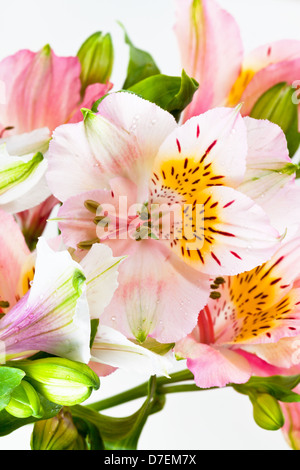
24	402
60	380
57	433
96	57
267	412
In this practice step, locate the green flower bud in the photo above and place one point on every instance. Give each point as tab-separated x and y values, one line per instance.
267	412
96	56
278	106
60	380
24	402
57	433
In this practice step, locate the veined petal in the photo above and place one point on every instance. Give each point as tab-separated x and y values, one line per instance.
268	164
22	181
213	366
121	140
42	90
53	316
13	255
211	51
126	134
112	348
158	295
101	272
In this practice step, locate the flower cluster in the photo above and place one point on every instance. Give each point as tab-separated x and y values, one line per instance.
144	226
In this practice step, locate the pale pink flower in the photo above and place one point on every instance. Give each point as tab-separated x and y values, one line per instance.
133	148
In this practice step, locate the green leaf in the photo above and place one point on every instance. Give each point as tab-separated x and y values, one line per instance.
141	64
10	378
170	93
277	106
96	56
279	387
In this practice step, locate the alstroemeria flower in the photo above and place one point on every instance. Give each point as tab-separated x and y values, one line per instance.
257	314
133	149
41	91
212	52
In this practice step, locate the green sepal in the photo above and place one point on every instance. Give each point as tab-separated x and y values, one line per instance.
96	56
141	64
277	105
10	378
94	328
173	94
152	345
279	387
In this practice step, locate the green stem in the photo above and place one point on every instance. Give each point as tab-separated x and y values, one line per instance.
142	390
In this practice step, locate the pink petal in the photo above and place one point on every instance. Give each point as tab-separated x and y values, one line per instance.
121	140
158	295
213	367
42	90
13	255
285	71
92	94
211	51
215	145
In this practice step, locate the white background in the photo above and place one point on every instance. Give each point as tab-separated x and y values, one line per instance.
219	419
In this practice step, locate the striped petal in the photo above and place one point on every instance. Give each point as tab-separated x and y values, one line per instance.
42	90
53	316
262	305
101	272
211	51
22	181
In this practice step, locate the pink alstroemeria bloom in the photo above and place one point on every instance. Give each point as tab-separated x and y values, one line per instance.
40	91
256	317
134	149
212	52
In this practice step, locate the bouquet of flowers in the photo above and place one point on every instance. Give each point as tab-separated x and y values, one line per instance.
149	225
